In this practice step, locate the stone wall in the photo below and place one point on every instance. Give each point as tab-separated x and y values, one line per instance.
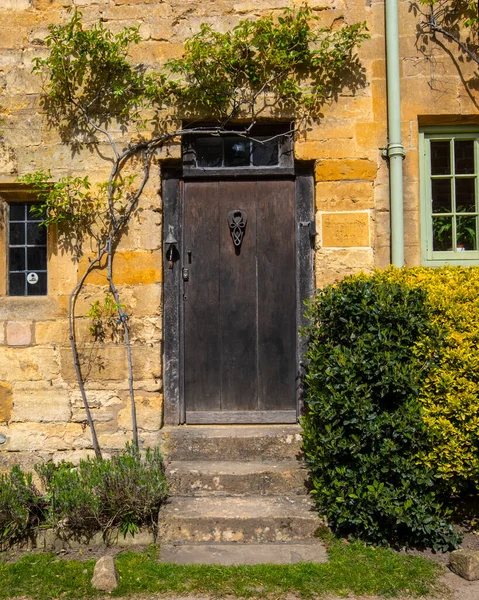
40	407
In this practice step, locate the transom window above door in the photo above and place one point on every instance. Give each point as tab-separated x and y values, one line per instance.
262	151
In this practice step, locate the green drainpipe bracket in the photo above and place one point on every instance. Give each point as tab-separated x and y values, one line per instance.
393	150
396	150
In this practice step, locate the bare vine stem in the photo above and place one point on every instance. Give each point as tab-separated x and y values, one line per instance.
432	23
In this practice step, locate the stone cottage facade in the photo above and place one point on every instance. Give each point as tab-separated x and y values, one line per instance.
339	180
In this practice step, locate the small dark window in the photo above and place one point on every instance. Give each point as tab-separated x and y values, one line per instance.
27	252
236	151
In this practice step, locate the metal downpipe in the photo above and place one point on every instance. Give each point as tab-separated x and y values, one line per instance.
395	149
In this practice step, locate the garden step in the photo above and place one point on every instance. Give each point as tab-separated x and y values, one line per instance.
234	478
250	443
230	519
243	554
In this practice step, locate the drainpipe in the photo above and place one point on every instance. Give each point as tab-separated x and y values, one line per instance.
395	150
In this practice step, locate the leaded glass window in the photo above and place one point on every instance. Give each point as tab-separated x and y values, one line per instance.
27	252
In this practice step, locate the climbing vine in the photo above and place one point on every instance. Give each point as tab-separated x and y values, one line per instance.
283	67
453	21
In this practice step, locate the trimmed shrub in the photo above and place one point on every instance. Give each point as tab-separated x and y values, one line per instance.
450	393
21	506
125	491
365	438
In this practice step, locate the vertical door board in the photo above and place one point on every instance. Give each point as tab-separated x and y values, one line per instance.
202	358
276	295
237	304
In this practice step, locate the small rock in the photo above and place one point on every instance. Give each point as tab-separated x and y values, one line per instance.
105	576
465	563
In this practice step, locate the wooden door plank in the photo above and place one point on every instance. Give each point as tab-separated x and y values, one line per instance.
276	295
202	361
238	300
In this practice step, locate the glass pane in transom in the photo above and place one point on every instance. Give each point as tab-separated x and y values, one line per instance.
209	152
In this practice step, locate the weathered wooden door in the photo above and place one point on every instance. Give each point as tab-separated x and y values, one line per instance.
239	300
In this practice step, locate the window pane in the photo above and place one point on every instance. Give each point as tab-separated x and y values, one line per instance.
464	156
442	233
31	216
465	195
17	212
17	234
39	288
440	158
36	234
237	152
36	259
17	259
209	152
266	154
16	285
441	195
466	228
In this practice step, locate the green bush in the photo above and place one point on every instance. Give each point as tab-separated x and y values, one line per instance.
125	491
365	438
21	506
449	395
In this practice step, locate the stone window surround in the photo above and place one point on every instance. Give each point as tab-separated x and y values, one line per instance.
26	307
443	133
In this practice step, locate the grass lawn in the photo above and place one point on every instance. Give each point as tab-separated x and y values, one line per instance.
352	569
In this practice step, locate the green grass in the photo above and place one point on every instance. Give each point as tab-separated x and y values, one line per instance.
353	569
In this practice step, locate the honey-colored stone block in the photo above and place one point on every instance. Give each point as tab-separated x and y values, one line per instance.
98	363
465	563
128	268
41	406
348	169
149	411
6	402
19	333
28	364
52	332
344	196
342	230
46	438
333	265
104	406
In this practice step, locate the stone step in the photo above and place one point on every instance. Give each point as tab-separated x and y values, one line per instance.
229	519
234	478
243	554
250	443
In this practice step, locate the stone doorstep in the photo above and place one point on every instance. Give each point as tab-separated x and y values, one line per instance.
235	478
248	443
242	554
232	519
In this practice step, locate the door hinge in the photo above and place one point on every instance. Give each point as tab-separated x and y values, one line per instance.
311	226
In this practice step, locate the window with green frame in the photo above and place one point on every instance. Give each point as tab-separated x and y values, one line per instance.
449	190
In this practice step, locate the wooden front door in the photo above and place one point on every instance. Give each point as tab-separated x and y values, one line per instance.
239	300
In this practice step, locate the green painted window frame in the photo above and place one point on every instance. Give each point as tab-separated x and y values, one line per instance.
454	256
